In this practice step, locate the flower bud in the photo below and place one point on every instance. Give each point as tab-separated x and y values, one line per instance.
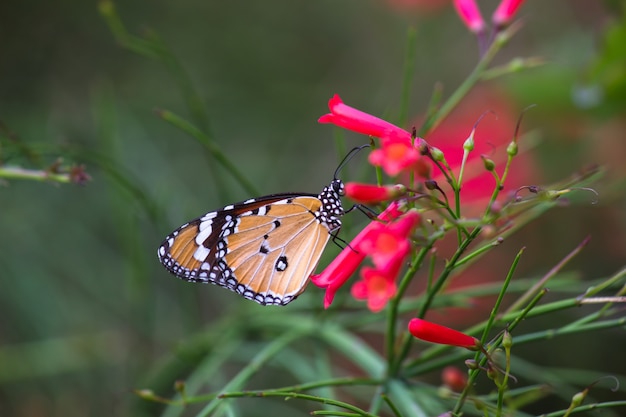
489	164
437	154
436	333
370	193
512	149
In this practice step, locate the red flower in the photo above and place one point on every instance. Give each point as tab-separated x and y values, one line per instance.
349	259
436	333
388	243
352	119
454	378
395	156
505	12
370	193
377	287
470	15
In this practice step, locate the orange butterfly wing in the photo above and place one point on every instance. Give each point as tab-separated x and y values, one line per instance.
263	249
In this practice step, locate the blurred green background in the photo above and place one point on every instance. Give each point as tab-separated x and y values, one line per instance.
87	314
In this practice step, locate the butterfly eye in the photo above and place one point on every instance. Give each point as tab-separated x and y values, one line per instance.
338	187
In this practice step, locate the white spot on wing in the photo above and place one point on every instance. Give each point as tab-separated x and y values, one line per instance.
206	224
203	235
201	253
209	216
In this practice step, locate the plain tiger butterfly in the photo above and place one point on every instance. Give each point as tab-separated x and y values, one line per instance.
264	248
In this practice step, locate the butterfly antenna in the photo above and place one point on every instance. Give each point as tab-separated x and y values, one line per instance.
348	157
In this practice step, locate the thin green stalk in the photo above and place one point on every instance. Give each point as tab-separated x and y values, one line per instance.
408	340
591	291
494	345
392	315
211	146
255	364
153	47
288	395
503	291
396	412
475	76
588	407
409	69
551	333
542	282
478	252
196	399
18	173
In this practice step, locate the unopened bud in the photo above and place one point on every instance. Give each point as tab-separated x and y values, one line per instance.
507	340
512	149
489	164
468	145
437	154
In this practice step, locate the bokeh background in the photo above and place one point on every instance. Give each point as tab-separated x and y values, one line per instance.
87	314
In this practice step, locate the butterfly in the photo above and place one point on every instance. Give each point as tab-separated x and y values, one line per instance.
264	248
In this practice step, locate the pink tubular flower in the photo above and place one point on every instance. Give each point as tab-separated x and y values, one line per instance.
388	244
470	15
377	287
395	156
370	193
352	119
343	266
505	12
436	333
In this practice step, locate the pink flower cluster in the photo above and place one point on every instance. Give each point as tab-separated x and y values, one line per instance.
387	240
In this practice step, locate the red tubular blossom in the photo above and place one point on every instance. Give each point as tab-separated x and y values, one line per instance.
388	244
377	287
505	12
395	156
370	193
436	333
343	266
470	15
352	119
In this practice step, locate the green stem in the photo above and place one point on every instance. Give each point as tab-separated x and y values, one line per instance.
503	291
211	146
589	407
543	281
393	309
253	367
288	395
462	90
408	340
409	68
18	173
